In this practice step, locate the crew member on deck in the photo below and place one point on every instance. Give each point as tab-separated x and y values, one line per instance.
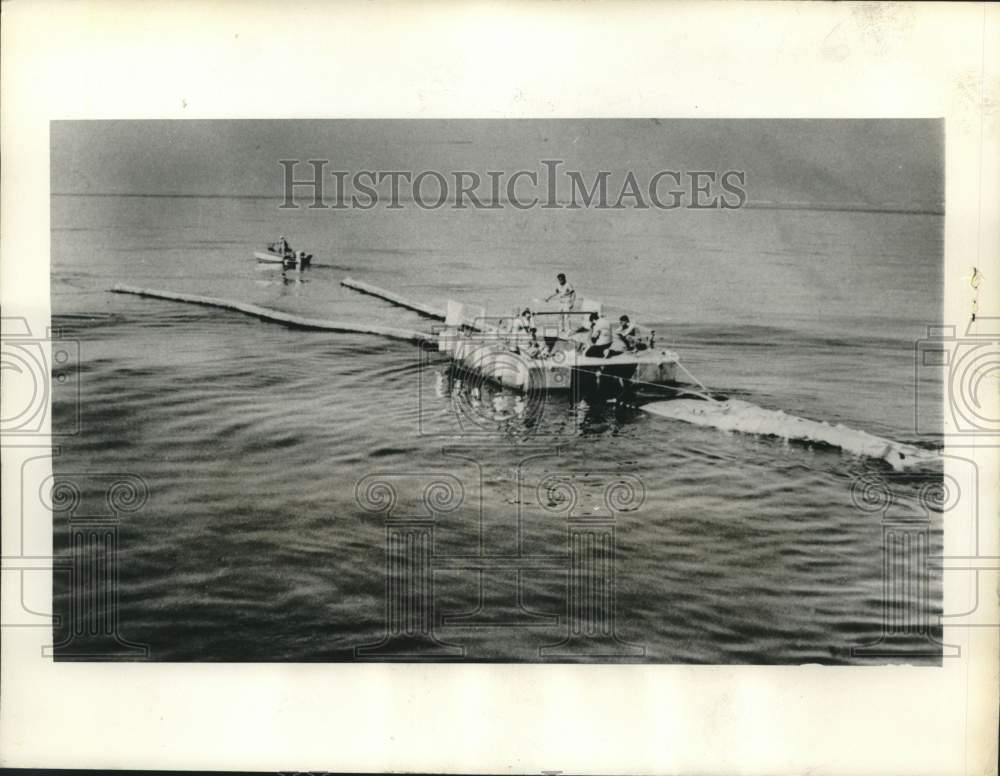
526	334
282	247
623	339
566	295
600	336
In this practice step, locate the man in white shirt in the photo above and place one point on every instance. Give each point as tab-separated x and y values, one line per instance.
525	334
566	295
600	336
624	338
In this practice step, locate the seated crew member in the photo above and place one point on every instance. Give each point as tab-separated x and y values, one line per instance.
630	334
525	322
525	334
600	336
623	338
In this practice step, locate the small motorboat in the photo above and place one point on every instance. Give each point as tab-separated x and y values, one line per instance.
288	259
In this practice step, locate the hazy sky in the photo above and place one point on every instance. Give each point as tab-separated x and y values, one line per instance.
863	162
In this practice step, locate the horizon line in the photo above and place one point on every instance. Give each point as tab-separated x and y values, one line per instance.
860	207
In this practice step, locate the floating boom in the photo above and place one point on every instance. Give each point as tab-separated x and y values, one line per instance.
276	316
389	296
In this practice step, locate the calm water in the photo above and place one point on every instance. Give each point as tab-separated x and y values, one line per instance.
254	441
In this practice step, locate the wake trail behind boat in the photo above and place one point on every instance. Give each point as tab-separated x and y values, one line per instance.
747	418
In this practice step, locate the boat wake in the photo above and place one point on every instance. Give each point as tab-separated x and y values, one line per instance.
747	418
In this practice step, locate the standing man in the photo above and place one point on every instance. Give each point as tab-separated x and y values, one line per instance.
566	295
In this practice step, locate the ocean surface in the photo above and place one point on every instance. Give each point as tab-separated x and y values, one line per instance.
259	528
